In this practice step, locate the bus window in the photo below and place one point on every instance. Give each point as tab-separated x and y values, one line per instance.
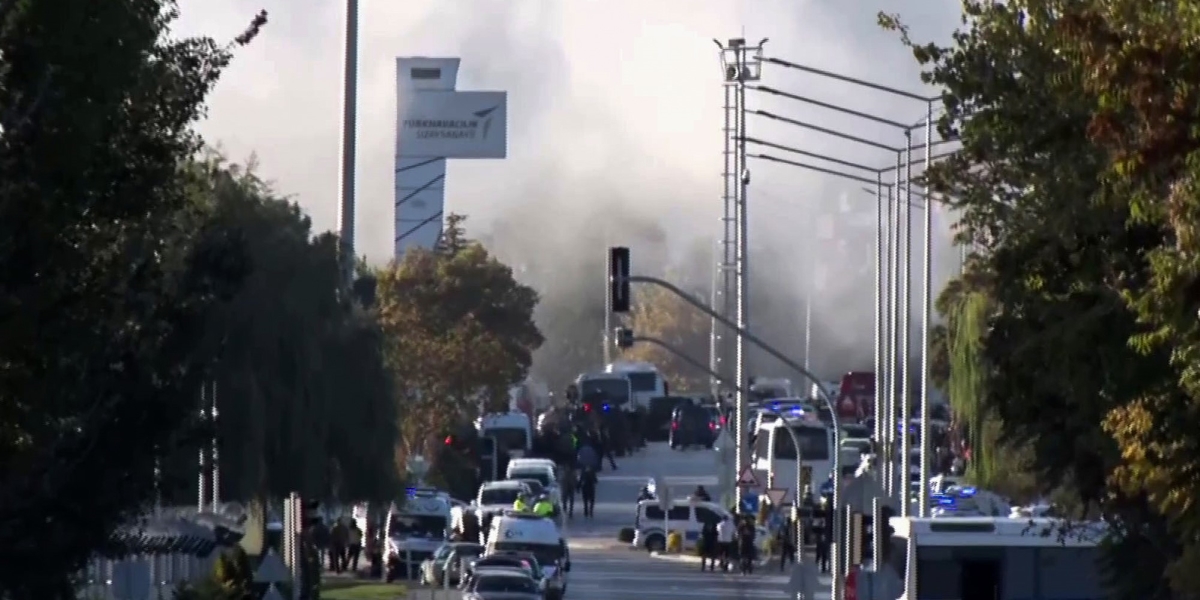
814	443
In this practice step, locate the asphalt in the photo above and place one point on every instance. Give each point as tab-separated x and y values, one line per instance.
605	569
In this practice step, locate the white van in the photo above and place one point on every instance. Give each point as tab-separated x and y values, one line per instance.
414	530
523	532
775	453
685	516
540	469
513	430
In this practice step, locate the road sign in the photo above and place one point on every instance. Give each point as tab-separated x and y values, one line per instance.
272	593
777	496
663	492
747	478
272	569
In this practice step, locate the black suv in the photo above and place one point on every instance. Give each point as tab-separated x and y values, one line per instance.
692	425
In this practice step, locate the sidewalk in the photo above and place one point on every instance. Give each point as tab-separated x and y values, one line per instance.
695	560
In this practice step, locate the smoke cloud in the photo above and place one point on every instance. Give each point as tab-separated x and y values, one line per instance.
615	117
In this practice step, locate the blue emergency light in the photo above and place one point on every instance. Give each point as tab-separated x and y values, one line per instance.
605	408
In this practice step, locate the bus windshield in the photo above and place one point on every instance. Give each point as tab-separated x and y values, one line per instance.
643	381
814	443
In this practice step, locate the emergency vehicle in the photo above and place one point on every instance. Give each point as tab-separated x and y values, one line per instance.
414	530
775	452
990	557
645	382
513	431
541	469
523	532
605	391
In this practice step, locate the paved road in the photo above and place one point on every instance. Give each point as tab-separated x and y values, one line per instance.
602	569
618	490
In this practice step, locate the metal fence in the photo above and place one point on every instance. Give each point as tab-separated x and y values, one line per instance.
147	577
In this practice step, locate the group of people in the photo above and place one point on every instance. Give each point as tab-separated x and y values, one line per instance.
724	542
341	544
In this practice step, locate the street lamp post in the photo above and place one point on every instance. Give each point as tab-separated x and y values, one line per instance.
349	139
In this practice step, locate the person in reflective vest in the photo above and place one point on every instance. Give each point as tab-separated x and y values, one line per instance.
520	504
543	508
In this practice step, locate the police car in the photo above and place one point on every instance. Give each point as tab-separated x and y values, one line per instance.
542	470
522	532
415	530
495	497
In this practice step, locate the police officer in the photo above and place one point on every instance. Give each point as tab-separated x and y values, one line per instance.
746	546
543	507
521	503
821	531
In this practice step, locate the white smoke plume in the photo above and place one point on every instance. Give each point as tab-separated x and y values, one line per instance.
615	117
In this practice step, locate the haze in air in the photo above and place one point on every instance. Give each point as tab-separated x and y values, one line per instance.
615	117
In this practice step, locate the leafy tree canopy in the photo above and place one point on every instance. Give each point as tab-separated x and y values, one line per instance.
459	331
658	313
1078	124
107	276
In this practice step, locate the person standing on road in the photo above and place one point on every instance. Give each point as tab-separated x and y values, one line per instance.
606	449
568	483
746	545
587	488
821	534
786	539
338	538
353	548
587	457
708	546
725	531
320	537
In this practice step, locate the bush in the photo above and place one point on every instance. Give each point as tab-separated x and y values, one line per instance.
626	535
674	542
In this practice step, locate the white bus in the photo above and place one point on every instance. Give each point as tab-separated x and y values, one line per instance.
775	453
645	382
988	557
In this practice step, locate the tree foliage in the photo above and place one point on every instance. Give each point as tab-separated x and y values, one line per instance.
305	402
658	313
108	272
459	331
1078	125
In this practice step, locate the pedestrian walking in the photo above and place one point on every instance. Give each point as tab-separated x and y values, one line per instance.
725	534
338	539
353	548
569	484
822	537
587	488
746	546
320	537
786	540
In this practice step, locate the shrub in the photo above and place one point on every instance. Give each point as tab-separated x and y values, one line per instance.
674	542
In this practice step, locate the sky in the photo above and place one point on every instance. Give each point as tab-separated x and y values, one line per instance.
615	134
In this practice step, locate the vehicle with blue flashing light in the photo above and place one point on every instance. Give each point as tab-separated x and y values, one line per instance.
968	501
414	530
605	392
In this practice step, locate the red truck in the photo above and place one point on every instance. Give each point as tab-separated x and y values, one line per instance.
856	395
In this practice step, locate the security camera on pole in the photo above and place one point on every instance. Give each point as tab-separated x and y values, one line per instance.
741	64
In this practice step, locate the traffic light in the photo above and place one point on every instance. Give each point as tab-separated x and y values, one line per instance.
618	278
449	441
624	337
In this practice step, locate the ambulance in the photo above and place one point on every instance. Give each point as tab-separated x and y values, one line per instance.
523	532
414	530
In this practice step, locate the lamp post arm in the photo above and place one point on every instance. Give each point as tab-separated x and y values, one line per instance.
687	359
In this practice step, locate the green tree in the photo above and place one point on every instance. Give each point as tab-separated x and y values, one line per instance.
106	280
459	330
1045	340
304	395
656	312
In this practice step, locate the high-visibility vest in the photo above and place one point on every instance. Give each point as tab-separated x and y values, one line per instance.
543	508
520	505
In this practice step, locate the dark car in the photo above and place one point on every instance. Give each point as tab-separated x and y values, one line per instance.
657	422
692	425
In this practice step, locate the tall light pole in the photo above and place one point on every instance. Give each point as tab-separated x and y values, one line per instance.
742	64
349	143
926	313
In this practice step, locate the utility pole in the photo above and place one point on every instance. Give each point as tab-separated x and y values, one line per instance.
742	64
349	143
